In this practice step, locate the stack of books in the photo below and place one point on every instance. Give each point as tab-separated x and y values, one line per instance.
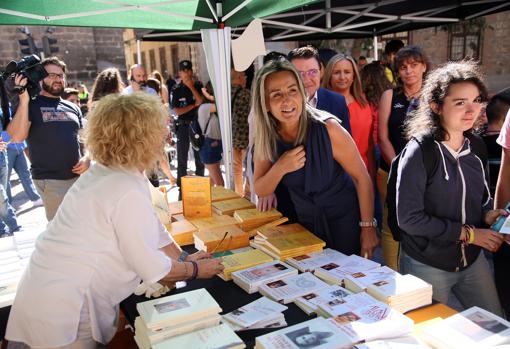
221	239
310	302
221	193
252	218
216	337
262	313
250	279
402	292
471	329
174	315
361	280
287	245
406	342
267	232
182	232
242	260
312	261
363	318
228	207
335	273
286	290
317	333
212	222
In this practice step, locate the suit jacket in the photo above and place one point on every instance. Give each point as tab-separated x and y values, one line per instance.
334	103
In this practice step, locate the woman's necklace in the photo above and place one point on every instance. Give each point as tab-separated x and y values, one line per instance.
412	95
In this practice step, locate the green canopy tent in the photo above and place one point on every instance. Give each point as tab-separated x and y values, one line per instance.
212	17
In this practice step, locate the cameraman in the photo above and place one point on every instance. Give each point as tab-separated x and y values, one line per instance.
50	125
138	81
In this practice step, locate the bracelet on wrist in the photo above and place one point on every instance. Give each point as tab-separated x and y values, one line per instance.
194	274
366	224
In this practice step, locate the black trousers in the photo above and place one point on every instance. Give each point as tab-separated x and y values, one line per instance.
501	263
183	144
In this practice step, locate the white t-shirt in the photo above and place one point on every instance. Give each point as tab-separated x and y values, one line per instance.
103	240
213	129
129	90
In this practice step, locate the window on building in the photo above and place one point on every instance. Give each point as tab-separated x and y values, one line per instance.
162	61
382	40
135	58
152	60
175	60
465	41
144	59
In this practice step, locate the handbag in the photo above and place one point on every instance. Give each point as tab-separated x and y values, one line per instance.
196	136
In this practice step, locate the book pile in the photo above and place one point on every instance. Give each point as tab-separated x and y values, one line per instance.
221	193
317	333
228	207
286	290
174	315
196	196
284	245
310	302
182	232
470	329
402	292
262	313
360	281
216	337
252	218
243	260
221	239
208	223
363	318
312	261
335	272
250	279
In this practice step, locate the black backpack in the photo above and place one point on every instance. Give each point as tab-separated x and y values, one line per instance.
196	136
430	160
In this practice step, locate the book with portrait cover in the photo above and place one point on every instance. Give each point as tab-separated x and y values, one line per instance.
257	311
359	282
217	337
310	302
317	333
312	261
251	278
470	329
196	196
286	290
177	309
363	318
335	272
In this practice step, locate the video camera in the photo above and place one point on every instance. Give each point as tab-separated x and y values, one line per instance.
30	67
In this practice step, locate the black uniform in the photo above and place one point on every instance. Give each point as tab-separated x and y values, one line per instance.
181	96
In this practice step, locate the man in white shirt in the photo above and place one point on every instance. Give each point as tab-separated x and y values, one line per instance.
138	81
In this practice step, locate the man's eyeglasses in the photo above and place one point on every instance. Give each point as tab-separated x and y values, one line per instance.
312	73
54	76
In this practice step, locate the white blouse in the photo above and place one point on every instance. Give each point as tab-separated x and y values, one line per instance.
104	239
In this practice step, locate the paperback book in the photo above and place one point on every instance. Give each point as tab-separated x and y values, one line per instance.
251	278
286	290
256	314
310	302
242	260
312	261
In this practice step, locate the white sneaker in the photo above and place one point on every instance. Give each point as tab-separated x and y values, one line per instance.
37	203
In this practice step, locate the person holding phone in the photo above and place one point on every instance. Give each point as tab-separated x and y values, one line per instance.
138	81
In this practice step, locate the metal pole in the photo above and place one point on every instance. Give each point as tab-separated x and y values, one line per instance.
138	51
376	53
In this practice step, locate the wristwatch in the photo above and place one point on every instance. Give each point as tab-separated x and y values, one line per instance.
365	224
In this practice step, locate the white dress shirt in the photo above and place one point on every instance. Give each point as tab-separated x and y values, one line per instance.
104	239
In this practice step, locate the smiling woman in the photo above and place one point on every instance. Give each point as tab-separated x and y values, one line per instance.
312	155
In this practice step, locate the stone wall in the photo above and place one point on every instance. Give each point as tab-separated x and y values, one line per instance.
86	51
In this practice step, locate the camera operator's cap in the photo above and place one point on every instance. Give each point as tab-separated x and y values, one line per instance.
185	65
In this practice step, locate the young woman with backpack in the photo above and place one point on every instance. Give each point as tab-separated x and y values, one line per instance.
445	215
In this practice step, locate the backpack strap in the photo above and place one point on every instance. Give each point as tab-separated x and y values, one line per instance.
429	152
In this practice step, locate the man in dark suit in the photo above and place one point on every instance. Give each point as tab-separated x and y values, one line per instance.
307	62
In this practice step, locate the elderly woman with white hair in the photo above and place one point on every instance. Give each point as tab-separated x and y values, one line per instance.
309	152
105	237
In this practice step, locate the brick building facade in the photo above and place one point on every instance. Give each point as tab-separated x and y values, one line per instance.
86	51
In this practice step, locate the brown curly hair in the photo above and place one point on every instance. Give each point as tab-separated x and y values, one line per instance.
107	82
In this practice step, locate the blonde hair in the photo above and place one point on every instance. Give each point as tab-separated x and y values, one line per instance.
126	131
266	125
355	89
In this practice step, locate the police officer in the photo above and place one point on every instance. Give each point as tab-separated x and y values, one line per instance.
185	100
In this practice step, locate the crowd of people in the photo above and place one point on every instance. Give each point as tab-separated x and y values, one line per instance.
314	133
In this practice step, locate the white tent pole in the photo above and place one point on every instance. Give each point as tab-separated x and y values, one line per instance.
138	51
376	53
